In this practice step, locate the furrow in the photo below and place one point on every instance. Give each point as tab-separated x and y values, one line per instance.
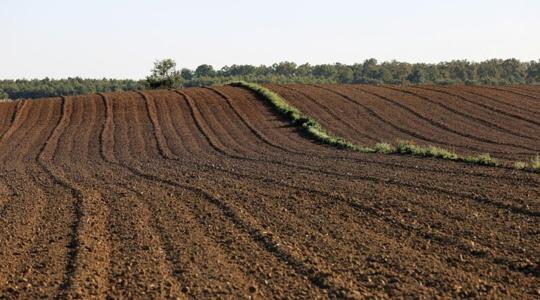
401	129
488	107
256	132
445	127
463	114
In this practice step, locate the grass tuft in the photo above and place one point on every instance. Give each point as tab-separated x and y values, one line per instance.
384	148
482	159
520	165
535	162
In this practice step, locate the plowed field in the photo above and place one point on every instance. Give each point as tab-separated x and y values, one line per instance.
208	193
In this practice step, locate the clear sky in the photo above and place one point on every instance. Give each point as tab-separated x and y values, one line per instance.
121	38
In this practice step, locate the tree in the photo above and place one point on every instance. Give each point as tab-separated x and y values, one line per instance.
284	68
205	71
324	71
186	74
164	75
3	95
418	74
533	72
345	74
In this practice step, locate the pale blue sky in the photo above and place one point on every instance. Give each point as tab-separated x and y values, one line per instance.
121	38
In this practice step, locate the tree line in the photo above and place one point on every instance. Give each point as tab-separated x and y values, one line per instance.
166	75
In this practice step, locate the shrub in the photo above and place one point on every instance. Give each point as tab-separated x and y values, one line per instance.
482	159
520	165
384	148
164	75
535	162
409	147
441	153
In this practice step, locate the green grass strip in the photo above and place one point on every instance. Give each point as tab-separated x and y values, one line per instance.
309	126
314	130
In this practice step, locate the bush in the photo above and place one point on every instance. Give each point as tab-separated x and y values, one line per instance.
164	75
384	148
3	95
520	165
535	162
482	159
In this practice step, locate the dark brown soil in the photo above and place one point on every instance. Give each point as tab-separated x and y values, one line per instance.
208	193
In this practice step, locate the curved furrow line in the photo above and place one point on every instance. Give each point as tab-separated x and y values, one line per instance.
41	214
8	119
168	241
157	130
401	129
277	129
88	241
171	218
463	114
23	222
198	163
172	267
106	149
269	242
529	89
197	117
17	120
480	198
445	127
330	112
122	135
302	220
233	215
252	230
337	197
255	132
488	107
107	135
530	103
166	180
93	256
507	90
21	217
393	165
228	129
509	104
322	170
21	126
177	142
139	139
188	136
421	229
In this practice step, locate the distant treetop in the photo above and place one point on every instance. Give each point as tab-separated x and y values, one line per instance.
165	75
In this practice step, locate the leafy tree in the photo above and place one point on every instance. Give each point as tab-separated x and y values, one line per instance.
324	71
284	68
514	71
304	70
205	71
533	72
345	75
164	75
186	74
418	74
3	95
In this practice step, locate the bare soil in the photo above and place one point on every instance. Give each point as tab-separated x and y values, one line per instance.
208	193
